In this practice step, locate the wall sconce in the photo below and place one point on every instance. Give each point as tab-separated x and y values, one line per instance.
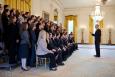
82	33
109	41
110	31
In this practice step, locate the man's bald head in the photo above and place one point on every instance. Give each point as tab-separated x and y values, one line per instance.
97	26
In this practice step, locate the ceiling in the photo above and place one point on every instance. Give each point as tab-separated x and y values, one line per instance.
83	3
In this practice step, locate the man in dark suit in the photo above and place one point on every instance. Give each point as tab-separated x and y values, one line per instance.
97	36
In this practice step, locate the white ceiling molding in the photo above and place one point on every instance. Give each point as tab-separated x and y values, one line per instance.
69	4
59	2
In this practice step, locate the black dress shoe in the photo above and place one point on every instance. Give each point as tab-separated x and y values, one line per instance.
24	69
53	69
60	64
96	56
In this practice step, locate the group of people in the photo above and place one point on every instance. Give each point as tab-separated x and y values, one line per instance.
26	36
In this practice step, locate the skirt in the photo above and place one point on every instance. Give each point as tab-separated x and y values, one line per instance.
23	50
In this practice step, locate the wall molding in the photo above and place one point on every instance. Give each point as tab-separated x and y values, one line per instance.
78	8
94	44
59	3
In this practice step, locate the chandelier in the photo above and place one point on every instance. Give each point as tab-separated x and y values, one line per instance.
103	2
97	14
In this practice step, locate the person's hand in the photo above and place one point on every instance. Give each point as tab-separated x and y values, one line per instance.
90	32
59	49
51	52
64	49
68	44
17	41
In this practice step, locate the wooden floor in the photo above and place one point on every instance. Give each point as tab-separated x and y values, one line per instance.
80	64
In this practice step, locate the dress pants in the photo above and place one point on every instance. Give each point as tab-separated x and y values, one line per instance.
97	48
33	56
58	56
12	53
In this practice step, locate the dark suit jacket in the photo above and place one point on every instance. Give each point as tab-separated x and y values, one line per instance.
64	41
5	22
13	33
58	43
51	44
97	36
70	40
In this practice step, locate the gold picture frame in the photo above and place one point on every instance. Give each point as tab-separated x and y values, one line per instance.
45	15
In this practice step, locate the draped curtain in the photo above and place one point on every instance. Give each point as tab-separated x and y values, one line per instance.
21	5
75	26
101	26
91	26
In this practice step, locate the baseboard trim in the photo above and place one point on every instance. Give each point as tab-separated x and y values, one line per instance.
93	44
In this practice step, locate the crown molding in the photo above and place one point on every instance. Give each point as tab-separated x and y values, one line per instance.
76	8
58	2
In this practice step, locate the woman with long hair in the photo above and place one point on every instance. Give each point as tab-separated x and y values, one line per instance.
24	45
43	51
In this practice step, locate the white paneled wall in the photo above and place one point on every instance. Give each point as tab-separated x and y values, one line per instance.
1	1
38	6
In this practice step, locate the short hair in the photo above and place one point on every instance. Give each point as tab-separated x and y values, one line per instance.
53	34
0	5
5	6
6	10
23	26
46	28
57	34
29	19
26	13
11	11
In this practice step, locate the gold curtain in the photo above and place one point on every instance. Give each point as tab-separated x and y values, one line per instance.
101	24
8	2
66	23
74	18
18	5
14	4
11	3
75	28
21	5
90	29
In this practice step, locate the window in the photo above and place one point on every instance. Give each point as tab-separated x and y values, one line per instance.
70	26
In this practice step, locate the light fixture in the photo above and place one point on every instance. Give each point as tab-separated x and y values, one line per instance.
97	14
83	27
110	27
103	2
